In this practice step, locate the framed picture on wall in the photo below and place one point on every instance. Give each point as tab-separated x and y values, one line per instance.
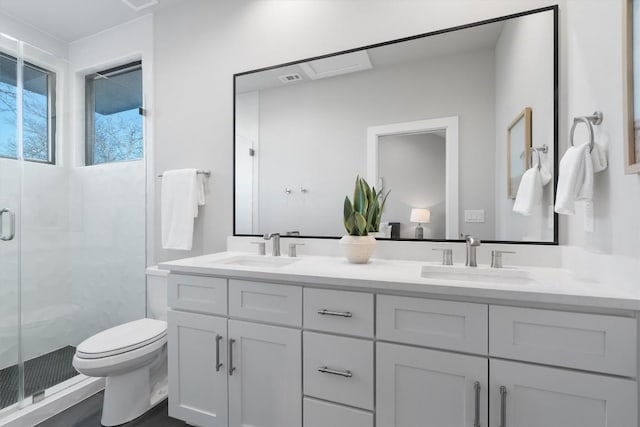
631	80
518	150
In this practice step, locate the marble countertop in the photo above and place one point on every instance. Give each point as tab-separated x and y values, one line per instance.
546	285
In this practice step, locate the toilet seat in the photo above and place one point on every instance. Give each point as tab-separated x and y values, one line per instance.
122	339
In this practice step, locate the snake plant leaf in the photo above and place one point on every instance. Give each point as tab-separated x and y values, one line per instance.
360	202
372	215
350	224
360	224
348	208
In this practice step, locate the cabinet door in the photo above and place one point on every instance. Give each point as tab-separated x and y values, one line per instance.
197	368
420	387
265	375
538	396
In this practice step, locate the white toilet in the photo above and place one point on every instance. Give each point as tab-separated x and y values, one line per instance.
132	357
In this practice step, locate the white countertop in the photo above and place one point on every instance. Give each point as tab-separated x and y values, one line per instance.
548	285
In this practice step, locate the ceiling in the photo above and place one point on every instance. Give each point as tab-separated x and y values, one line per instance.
421	49
70	20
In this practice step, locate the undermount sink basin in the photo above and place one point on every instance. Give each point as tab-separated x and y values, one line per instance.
507	275
257	261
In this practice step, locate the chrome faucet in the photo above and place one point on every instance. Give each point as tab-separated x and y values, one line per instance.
472	244
276	242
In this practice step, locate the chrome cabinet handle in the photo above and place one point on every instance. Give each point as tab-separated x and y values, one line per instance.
231	367
503	406
326	312
328	370
476	389
12	224
218	364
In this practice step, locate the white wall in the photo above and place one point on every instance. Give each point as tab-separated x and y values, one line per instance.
107	202
522	52
247	184
413	167
224	38
313	135
594	82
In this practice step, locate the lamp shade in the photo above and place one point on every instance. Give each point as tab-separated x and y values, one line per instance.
420	215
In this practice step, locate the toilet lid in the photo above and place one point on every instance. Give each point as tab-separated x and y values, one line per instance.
122	338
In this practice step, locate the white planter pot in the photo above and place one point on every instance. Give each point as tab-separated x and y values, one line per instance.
358	249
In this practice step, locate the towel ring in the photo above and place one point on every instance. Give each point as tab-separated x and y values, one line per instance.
589	121
544	148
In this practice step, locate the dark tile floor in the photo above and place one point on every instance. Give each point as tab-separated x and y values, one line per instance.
40	373
88	412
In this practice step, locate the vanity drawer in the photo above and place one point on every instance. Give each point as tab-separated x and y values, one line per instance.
196	293
349	362
267	302
318	413
432	323
349	313
592	342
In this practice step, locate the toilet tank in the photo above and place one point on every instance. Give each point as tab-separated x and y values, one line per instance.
157	293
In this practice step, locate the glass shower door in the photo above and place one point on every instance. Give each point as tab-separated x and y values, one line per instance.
10	182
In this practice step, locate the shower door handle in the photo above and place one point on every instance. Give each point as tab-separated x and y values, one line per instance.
12	225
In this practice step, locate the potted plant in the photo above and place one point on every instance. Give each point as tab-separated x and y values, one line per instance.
362	216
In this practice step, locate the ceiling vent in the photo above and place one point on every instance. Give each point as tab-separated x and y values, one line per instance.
290	78
336	65
138	5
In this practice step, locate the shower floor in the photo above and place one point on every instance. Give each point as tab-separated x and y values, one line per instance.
40	373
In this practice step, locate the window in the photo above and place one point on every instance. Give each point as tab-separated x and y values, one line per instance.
38	111
113	122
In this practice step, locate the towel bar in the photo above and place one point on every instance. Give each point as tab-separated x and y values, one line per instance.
589	121
199	172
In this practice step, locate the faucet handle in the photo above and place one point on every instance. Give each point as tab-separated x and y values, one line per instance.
447	255
261	247
496	258
292	249
472	241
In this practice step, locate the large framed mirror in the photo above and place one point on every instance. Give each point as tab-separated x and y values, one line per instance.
425	117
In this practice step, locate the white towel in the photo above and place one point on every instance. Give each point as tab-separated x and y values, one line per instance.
545	174
178	207
202	186
529	192
598	158
573	175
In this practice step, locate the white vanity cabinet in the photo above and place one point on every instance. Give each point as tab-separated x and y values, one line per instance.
421	387
525	395
197	368
225	372
248	353
265	375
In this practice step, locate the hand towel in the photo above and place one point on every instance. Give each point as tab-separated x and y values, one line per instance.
586	189
529	192
178	208
599	158
202	187
545	174
571	178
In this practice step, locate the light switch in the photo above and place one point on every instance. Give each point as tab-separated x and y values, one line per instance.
474	215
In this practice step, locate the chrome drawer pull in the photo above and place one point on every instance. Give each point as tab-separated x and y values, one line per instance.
326	312
231	367
218	364
503	406
476	389
327	370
